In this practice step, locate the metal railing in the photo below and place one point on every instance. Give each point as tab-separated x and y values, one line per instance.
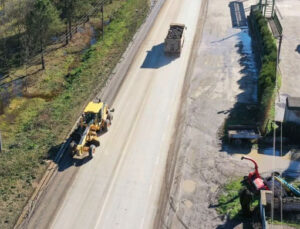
0	143
277	23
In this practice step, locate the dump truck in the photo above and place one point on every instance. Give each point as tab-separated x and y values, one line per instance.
175	39
95	119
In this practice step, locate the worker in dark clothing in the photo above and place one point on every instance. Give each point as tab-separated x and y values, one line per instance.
245	200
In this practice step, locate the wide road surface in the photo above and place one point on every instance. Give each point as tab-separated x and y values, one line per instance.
120	187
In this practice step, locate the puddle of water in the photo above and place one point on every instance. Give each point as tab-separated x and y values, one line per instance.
81	29
189	186
93	38
54	38
269	151
248	59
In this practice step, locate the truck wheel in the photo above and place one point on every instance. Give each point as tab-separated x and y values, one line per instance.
95	143
106	124
73	146
92	150
110	116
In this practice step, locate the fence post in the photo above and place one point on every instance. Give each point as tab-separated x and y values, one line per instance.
262	204
102	20
273	6
0	143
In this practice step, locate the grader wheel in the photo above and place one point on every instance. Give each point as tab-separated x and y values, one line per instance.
73	146
110	116
92	150
106	124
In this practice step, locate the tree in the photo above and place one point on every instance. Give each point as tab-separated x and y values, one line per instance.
41	22
16	11
72	11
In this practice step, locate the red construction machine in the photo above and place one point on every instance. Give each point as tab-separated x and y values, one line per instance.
254	181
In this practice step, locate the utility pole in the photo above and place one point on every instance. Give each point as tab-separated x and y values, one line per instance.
65	14
260	5
0	143
102	20
279	47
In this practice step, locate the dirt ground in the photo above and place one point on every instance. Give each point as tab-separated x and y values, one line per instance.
224	75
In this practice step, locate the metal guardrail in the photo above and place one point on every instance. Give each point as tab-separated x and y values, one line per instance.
277	23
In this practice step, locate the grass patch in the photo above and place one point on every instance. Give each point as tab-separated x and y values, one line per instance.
229	201
32	127
285	222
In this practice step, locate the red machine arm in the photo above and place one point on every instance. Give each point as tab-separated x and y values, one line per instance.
255	164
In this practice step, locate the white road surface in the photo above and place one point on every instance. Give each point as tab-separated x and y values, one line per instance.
120	187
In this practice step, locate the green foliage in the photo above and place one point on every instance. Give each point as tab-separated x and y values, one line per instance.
229	201
81	7
267	75
42	20
34	128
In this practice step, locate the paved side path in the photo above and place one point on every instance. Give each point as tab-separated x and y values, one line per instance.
290	53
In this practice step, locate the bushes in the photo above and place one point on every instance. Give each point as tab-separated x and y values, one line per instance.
267	75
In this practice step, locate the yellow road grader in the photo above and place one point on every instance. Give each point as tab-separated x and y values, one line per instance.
95	120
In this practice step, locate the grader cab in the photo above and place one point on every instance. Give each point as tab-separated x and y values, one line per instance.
95	119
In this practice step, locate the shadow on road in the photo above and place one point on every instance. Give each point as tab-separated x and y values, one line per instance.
229	201
238	16
298	49
245	110
242	222
293	171
156	57
66	161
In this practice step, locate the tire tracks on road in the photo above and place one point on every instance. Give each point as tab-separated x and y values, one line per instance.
163	220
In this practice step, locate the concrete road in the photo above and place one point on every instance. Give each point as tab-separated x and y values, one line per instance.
224	76
120	187
290	53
